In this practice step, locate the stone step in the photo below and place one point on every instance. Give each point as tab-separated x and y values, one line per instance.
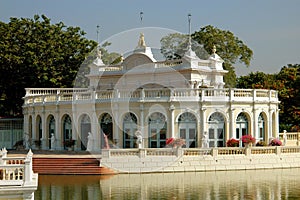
69	166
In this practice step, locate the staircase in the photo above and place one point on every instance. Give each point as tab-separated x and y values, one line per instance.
69	166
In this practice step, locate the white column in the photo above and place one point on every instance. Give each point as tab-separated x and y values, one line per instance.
270	128
58	135
172	108
276	122
96	142
115	120
231	123
203	122
255	124
34	127
45	141
142	123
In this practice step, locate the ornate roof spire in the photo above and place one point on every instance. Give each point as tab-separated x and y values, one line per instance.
190	53
190	38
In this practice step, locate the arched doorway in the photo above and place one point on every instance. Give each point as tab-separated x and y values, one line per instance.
216	130
157	130
106	125
51	129
129	129
187	126
261	127
241	125
85	128
67	128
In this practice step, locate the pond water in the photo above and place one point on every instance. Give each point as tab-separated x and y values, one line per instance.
252	184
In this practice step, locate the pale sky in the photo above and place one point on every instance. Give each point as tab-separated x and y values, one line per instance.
271	28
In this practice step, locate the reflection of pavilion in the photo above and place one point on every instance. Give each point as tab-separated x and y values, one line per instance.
181	98
256	184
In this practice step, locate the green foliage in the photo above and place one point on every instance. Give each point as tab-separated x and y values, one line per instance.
229	48
173	46
108	59
286	82
36	53
257	80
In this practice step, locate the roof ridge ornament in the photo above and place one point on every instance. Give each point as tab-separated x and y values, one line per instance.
141	43
214	49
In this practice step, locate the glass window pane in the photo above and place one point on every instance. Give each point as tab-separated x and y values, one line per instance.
153	144
244	131
182	133
237	133
220	143
220	133
192	134
211	133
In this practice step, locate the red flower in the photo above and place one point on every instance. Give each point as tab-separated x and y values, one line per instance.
175	142
275	142
170	141
232	142
248	139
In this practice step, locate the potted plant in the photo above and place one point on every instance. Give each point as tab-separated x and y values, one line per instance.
248	140
232	142
275	142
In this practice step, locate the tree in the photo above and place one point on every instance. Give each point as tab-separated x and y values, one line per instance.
36	53
257	80
286	82
229	47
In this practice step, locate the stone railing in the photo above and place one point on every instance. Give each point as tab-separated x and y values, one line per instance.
39	95
292	138
214	152
17	170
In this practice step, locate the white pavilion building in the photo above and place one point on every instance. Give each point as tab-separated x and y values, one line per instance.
182	98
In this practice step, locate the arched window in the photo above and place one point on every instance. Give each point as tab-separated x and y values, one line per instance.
216	130
129	129
187	126
157	130
241	125
261	127
106	125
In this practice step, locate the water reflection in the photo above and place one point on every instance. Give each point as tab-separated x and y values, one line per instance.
256	184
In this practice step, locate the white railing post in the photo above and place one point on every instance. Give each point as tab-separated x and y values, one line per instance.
142	153
28	168
105	153
3	155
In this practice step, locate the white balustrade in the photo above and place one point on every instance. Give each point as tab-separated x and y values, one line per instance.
221	151
36	96
16	170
